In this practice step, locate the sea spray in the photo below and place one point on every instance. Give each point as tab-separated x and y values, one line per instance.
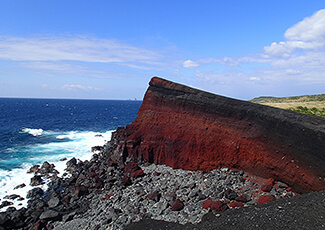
76	144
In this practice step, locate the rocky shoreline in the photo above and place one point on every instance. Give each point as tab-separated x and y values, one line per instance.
130	180
102	193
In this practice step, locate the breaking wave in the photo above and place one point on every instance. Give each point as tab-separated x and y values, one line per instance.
63	145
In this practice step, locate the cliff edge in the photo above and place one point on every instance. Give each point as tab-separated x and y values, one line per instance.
190	129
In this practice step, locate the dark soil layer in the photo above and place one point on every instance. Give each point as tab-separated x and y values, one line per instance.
306	211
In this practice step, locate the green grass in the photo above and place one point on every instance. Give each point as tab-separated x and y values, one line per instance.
304	98
307	104
311	111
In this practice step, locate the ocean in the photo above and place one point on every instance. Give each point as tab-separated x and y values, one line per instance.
36	130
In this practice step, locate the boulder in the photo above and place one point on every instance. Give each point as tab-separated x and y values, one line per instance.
47	166
218	206
36	180
34	169
5	203
71	165
177	205
53	202
207	203
265	199
20	186
50	215
11	197
71	162
235	204
34	193
268	185
243	198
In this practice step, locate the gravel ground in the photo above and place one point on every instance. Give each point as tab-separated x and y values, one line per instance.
305	211
119	207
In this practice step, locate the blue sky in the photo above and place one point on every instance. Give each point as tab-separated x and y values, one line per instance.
111	49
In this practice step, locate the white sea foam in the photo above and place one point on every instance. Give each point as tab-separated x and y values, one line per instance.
34	132
78	145
62	137
13	178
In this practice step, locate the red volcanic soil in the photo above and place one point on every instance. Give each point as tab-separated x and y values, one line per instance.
191	129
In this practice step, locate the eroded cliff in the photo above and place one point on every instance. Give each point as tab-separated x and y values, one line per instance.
190	129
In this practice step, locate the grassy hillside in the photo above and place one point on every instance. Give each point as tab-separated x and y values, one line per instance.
308	104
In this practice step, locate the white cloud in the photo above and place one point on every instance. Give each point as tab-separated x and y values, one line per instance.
309	29
190	64
53	66
284	49
254	78
81	56
227	61
53	69
222	78
83	49
293	71
299	59
308	34
223	61
80	87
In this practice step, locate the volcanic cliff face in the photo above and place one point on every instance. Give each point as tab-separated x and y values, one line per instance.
190	129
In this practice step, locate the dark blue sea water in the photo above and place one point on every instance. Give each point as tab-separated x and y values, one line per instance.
36	130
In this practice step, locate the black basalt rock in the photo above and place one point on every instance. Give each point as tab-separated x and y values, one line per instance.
5	203
36	180
35	193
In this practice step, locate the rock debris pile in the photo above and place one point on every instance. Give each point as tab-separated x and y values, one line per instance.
102	193
174	195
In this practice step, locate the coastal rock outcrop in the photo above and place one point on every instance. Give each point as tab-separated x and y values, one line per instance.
190	129
231	145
